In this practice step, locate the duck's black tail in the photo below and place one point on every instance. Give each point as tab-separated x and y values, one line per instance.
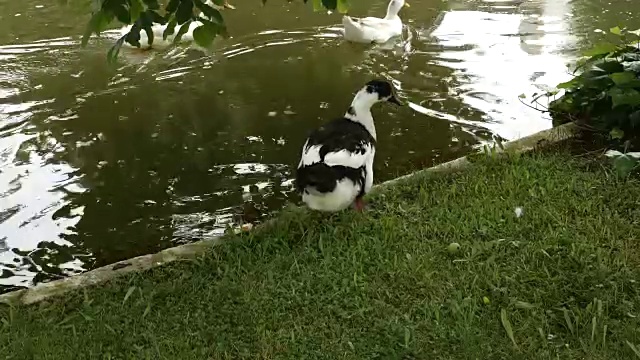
319	175
324	177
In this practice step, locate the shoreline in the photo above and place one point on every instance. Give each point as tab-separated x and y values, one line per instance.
184	252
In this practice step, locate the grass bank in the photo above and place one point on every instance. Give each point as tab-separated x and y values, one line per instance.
561	281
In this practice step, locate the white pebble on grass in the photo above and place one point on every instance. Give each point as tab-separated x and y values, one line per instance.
519	211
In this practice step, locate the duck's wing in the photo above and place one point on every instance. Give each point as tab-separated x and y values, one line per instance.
365	29
349	158
373	22
341	142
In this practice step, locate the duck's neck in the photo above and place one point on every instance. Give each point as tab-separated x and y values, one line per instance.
360	110
393	9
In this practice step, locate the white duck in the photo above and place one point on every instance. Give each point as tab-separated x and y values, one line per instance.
372	29
158	31
336	167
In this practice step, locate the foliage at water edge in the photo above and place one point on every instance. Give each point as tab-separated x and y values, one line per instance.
143	14
604	94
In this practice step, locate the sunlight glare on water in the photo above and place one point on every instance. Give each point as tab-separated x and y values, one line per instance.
101	163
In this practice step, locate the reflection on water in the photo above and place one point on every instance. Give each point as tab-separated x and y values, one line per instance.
515	49
98	164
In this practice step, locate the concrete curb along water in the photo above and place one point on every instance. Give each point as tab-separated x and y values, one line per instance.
96	276
47	290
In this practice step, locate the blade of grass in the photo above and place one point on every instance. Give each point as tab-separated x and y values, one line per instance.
507	326
128	294
633	348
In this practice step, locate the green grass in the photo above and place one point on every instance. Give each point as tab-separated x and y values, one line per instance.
560	282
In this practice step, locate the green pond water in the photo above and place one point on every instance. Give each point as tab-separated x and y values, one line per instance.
101	163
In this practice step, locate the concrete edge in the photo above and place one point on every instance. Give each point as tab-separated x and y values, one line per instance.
99	275
47	290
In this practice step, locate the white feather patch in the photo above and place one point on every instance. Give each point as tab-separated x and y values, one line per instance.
311	155
347	158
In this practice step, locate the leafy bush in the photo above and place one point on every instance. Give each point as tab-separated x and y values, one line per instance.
605	95
143	14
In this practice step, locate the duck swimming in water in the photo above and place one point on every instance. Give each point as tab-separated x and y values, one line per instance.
336	167
372	29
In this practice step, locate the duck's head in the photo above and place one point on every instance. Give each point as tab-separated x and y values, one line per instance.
395	6
383	91
399	3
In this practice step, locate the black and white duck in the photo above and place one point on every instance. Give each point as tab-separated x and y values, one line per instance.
336	167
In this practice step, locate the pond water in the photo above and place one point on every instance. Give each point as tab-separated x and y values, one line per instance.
100	163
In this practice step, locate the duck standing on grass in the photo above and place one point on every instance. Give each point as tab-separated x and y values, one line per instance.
372	29
336	167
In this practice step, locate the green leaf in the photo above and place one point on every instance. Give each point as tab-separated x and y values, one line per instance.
213	14
96	5
621	78
152	4
330	4
586	61
222	31
183	30
184	12
133	36
150	35
172	6
616	133
567	84
343	6
624	165
122	13
616	31
204	35
112	54
600	49
170	29
155	17
317	5
92	27
623	96
609	66
136	8
98	22
507	326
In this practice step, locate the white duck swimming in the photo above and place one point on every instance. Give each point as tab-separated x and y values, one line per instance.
372	29
336	167
158	31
